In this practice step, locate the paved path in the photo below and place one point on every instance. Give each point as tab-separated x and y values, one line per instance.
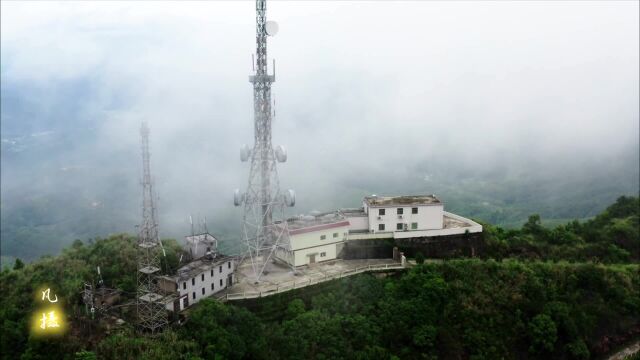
626	352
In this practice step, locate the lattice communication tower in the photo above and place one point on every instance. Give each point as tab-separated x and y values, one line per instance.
152	315
264	230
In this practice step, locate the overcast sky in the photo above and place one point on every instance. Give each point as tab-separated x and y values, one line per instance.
362	88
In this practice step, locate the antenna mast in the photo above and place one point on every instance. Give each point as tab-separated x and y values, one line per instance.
263	236
152	315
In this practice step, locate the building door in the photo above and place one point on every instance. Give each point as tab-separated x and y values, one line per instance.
185	302
312	259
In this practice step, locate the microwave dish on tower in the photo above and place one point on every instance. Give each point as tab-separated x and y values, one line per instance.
271	27
265	230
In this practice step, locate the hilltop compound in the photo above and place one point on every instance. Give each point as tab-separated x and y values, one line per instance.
402	219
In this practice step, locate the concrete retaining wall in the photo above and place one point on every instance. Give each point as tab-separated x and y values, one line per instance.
471	244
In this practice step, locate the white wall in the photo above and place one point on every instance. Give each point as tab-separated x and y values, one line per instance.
472	227
313	238
358	222
308	243
429	217
302	256
206	284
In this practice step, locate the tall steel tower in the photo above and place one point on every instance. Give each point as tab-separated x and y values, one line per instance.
264	231
152	315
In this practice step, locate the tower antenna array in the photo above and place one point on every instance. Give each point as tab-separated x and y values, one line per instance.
152	316
264	229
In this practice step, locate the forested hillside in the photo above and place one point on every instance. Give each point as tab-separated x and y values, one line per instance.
570	292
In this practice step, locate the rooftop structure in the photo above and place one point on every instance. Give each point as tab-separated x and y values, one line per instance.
200	245
302	222
198	266
376	201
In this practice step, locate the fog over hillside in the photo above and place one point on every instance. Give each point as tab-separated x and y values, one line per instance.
501	109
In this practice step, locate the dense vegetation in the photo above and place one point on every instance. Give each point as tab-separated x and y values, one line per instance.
611	237
537	298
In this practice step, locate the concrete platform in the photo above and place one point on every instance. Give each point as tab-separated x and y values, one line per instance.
279	278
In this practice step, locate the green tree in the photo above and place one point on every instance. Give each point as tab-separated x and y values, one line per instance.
18	264
543	334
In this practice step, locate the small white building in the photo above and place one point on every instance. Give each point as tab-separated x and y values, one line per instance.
208	273
408	216
314	239
403	213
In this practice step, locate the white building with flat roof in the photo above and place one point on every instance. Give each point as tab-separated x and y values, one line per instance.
403	213
407	216
314	238
197	280
208	273
317	238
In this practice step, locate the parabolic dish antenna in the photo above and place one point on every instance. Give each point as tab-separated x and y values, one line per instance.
271	27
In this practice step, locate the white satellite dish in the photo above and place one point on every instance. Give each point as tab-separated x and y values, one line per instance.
281	153
290	198
245	153
238	197
271	28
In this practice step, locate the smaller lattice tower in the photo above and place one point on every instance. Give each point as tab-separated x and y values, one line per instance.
152	316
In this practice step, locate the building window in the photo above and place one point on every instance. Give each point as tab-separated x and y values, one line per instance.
414	210
184	284
211	272
380	227
400	211
202	277
229	265
323	254
193	295
220	269
380	211
414	226
202	291
335	235
193	281
220	282
322	237
211	286
399	226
